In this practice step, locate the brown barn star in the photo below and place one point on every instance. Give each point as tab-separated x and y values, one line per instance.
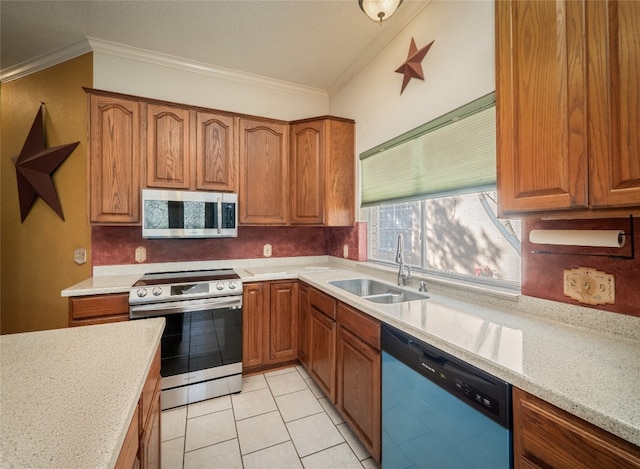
34	167
412	67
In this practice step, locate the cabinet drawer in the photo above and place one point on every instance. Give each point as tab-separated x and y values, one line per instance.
90	307
364	327
550	437
323	303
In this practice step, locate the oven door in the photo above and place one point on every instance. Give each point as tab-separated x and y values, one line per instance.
201	348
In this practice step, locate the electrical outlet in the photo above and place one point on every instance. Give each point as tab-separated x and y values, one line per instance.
266	250
141	254
345	251
80	256
590	286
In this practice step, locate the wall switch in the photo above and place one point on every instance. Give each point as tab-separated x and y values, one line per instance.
345	251
589	286
80	256
141	254
266	250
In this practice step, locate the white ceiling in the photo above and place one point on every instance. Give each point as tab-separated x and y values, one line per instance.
316	43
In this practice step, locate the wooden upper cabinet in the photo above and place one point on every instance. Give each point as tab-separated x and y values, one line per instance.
168	142
216	152
114	160
541	105
307	173
264	191
322	166
614	102
567	105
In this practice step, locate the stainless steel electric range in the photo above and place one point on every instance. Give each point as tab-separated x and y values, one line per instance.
201	347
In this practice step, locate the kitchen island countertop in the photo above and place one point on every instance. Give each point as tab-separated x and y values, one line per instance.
68	395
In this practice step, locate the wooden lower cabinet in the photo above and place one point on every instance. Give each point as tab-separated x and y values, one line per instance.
343	357
545	436
253	312
322	362
322	342
142	444
270	324
304	318
358	369
128	457
283	322
98	309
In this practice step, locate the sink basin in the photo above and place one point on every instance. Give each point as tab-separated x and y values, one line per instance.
377	292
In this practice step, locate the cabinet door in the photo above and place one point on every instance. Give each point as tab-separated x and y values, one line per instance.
304	325
545	436
358	388
307	173
150	441
614	102
216	152
253	313
283	322
264	191
168	135
114	160
340	173
128	457
323	352
541	84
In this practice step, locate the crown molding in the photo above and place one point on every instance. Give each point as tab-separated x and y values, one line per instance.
41	62
100	46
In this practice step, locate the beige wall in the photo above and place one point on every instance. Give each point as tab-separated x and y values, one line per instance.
37	255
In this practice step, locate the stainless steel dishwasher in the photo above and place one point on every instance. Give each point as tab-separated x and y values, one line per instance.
440	412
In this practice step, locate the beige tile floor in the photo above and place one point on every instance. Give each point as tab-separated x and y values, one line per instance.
280	420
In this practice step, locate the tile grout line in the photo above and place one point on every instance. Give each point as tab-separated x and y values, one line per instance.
317	398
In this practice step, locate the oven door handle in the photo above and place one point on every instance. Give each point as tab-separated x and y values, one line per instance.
176	307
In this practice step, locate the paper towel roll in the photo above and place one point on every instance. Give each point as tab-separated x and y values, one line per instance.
592	238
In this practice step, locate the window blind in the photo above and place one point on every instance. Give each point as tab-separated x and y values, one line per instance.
452	154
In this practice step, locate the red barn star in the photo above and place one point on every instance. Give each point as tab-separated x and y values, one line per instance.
34	167
412	67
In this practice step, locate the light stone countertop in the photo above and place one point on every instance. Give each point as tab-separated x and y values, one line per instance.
583	360
68	395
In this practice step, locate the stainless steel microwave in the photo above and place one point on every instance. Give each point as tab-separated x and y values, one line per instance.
189	214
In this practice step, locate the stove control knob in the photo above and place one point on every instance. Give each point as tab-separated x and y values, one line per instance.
220	286
157	291
142	292
232	285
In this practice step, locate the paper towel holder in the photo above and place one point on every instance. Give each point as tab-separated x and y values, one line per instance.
630	235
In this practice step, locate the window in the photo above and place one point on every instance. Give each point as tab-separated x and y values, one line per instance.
457	236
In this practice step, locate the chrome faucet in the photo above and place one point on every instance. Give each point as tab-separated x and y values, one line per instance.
402	277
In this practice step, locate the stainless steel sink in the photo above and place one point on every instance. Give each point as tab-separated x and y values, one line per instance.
377	292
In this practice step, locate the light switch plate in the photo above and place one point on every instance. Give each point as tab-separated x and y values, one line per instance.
589	286
266	250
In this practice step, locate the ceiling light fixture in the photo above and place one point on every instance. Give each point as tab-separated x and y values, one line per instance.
379	10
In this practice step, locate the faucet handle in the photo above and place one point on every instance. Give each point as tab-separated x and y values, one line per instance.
423	286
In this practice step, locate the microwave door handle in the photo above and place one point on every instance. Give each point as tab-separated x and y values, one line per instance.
219	215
